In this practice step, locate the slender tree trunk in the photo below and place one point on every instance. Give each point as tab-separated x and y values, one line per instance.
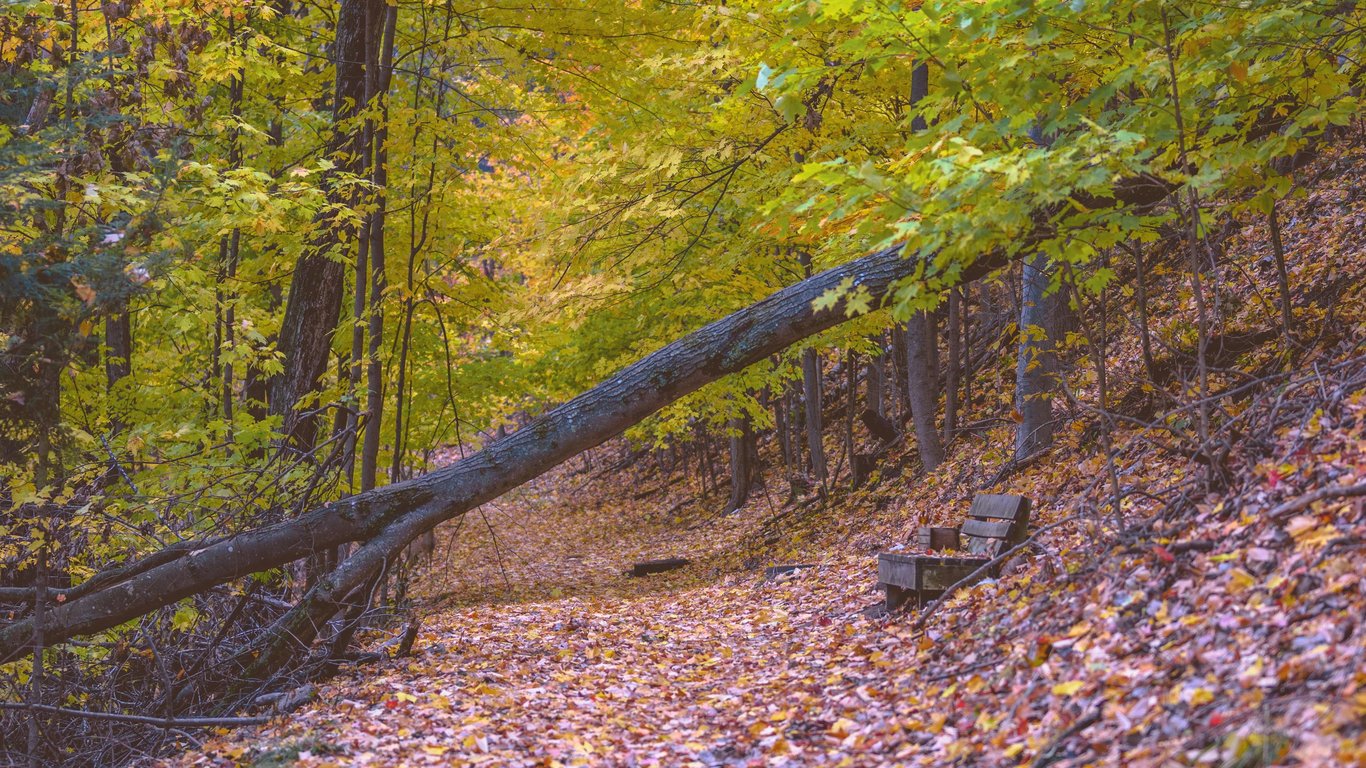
118	356
901	374
874	398
811	392
850	404
955	362
386	16
1141	301
1282	278
1035	364
230	248
780	429
811	395
921	392
967	351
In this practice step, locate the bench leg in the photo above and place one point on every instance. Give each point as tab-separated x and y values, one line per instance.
896	596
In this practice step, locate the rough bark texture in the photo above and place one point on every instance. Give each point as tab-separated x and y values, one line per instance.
874	398
315	290
953	366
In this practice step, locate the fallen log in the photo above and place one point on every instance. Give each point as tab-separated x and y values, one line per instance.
390	516
658	566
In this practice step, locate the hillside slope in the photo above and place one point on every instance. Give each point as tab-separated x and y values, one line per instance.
1194	627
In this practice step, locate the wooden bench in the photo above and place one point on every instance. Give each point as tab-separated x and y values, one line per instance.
994	523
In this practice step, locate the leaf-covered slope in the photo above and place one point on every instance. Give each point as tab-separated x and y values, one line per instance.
1215	629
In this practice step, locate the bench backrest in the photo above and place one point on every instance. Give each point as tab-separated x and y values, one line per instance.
995	522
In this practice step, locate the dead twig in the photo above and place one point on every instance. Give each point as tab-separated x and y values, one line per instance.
160	722
1283	512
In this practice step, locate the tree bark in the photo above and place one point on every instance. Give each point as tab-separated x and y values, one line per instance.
118	355
874	397
315	290
1036	363
811	396
385	16
1282	278
920	390
742	462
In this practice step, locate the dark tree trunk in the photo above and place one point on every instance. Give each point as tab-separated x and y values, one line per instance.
901	375
780	430
875	399
850	404
315	290
1141	302
384	19
1282	277
967	351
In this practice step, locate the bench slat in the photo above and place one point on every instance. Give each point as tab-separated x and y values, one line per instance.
988	529
897	570
999	506
981	546
941	576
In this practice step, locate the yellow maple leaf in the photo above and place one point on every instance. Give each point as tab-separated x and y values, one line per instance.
1068	688
1240	581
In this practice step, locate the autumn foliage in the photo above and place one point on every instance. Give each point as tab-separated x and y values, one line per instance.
284	284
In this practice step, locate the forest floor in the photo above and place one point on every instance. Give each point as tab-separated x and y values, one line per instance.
1193	628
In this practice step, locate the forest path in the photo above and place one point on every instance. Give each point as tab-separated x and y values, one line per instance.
536	647
542	653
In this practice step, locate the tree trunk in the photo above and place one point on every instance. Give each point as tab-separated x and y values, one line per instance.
118	356
921	391
875	398
780	430
1282	277
1141	303
1036	363
850	404
742	462
384	19
953	365
811	396
901	375
315	290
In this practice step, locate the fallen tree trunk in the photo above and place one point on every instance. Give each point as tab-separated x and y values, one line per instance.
396	513
388	518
